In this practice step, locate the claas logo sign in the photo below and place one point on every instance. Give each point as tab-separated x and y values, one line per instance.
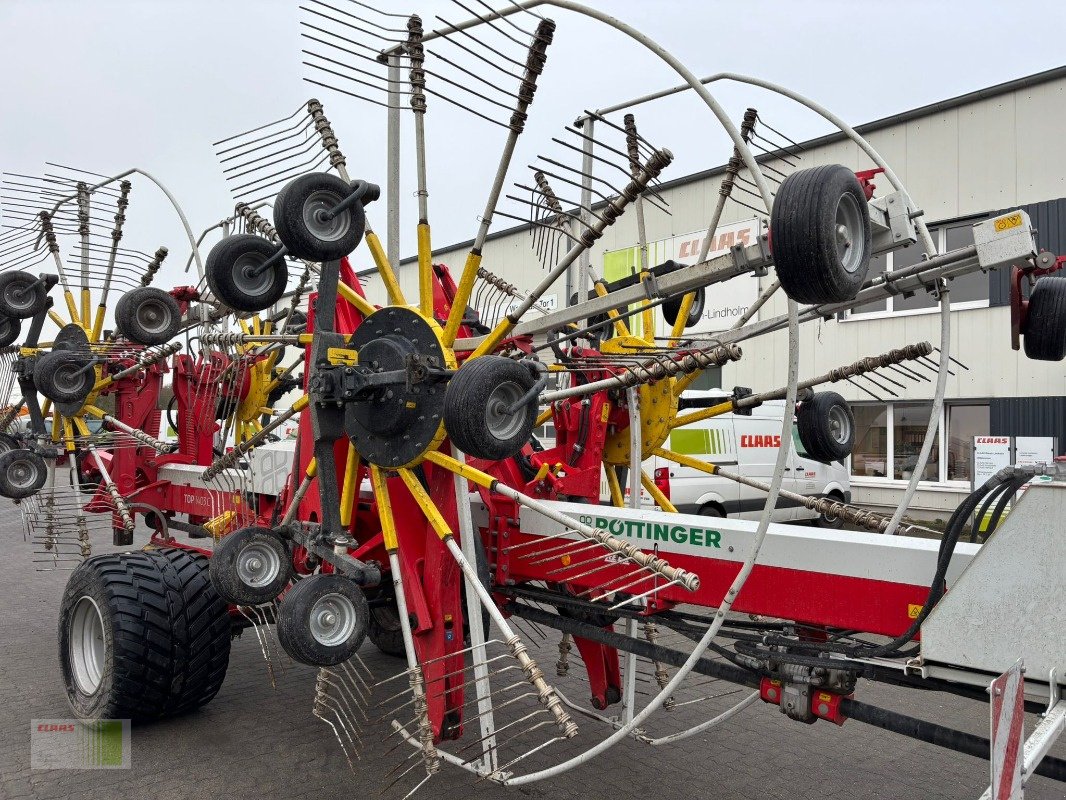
755	440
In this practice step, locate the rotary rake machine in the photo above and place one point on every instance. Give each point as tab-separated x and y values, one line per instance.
422	513
92	399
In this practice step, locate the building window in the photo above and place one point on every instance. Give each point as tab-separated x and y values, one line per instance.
869	456
967	291
889	436
964	423
910	422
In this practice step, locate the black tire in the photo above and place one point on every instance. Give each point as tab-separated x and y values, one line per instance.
303	604
148	316
10	328
833	523
474	403
229	267
672	307
385	632
17	299
8	443
22	473
712	510
250	566
1045	321
314	239
813	263
164	635
61	376
826	427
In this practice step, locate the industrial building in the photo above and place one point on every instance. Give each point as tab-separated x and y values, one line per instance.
962	159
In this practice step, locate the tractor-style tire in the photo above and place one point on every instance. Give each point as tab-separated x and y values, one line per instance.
1045	321
820	235
22	473
230	267
475	403
10	328
21	295
323	620
301	227
251	566
385	632
148	316
62	377
672	307
826	427
142	635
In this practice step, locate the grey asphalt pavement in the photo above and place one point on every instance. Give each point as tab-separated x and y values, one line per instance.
255	741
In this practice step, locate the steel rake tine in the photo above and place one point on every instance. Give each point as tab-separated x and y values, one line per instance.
635	582
317	713
550	553
525	755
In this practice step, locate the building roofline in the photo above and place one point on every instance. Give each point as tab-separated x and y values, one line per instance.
940	106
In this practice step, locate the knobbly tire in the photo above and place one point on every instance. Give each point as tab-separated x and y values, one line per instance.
232	271
323	620
1045	321
21	295
10	328
820	235
148	316
61	376
826	427
385	632
22	473
250	566
301	227
474	404
142	635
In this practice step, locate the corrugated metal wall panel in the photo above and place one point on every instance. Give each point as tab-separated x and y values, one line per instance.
1029	416
1049	218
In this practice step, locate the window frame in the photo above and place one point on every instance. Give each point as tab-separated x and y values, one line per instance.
939	233
942	481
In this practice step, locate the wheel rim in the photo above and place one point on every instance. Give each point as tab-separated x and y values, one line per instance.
248	277
850	236
153	316
22	473
500	424
333	619
839	425
257	564
315	220
69	379
19	296
87	650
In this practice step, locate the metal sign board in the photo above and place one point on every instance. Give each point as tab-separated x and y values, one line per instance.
725	303
1007	713
990	455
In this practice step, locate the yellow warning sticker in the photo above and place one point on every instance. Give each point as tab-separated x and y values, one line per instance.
342	356
825	697
913	611
606	412
1008	222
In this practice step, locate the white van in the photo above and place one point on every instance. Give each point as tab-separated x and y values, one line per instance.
748	445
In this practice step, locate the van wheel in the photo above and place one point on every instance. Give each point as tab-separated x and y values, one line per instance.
825	521
712	510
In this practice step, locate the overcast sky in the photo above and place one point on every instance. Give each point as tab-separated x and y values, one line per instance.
110	84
